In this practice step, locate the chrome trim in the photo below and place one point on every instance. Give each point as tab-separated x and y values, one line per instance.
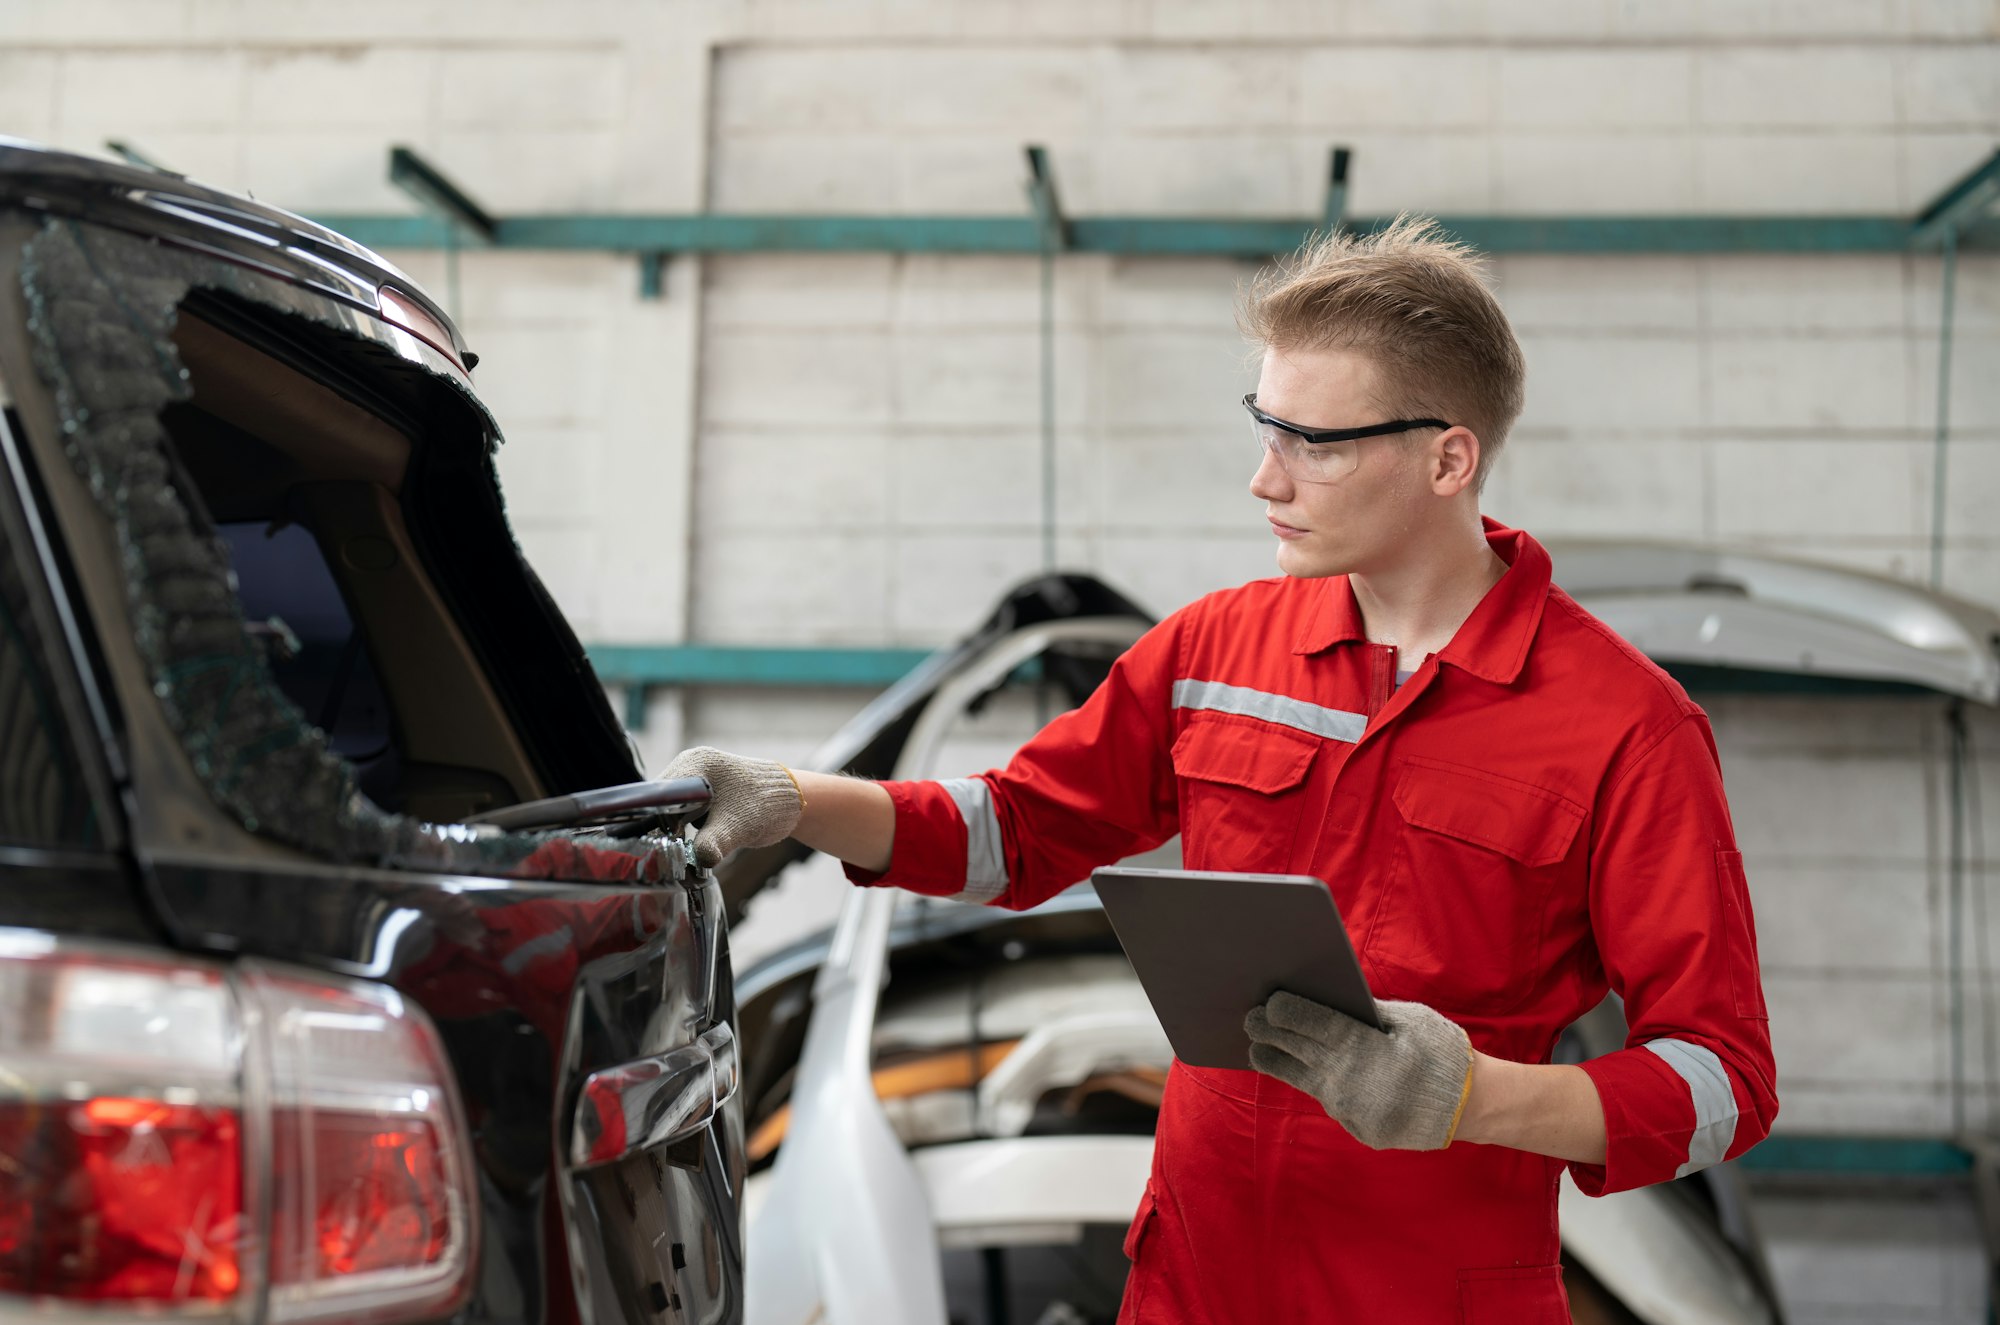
662	1099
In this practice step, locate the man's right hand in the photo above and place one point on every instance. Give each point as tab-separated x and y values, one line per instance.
757	802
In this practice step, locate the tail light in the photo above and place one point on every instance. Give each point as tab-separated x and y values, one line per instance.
232	1142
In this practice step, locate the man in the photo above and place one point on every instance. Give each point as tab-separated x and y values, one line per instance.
1513	808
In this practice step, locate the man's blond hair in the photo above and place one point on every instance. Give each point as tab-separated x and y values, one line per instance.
1416	304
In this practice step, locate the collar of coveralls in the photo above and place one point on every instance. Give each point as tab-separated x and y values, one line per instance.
1492	644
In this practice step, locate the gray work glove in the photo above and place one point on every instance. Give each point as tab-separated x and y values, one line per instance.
756	802
1402	1088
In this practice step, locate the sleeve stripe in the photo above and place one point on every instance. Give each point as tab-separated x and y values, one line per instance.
1714	1101
985	861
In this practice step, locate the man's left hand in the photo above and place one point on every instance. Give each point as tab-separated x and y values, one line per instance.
1400	1088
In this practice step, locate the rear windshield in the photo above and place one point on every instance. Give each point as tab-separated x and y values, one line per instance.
316	653
307	660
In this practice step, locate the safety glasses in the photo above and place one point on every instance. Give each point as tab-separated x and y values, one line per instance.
1323	455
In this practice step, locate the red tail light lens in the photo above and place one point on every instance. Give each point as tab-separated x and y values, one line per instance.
148	1105
120	1199
121	1135
387	1207
371	1201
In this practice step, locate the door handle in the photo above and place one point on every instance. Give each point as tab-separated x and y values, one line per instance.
654	1101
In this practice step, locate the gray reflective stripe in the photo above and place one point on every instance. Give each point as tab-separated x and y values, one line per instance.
985	862
1338	724
1714	1101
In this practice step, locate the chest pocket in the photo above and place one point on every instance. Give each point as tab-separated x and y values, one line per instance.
1241	784
1477	863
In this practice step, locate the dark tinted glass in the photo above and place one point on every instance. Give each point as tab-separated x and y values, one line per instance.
315	653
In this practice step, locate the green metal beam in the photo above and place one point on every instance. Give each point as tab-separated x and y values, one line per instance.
1150	236
877	668
1856	1156
715	233
751	665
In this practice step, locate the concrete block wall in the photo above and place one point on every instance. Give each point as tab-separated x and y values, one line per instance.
888	465
1842	811
845	449
1783	402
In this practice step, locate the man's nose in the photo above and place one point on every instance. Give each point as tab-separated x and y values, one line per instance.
1270	482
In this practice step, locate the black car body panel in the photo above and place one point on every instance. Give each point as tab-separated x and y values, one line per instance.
225	816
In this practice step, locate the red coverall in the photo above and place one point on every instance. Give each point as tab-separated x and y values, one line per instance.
1534	815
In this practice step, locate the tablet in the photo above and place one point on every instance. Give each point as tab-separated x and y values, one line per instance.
1209	946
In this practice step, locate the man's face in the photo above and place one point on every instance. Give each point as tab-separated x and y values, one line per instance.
1363	521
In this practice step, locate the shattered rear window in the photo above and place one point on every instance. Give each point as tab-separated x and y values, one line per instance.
102	315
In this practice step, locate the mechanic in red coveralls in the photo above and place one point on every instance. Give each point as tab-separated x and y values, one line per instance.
1514	809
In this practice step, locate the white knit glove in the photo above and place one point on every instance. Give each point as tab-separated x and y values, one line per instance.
756	802
1402	1088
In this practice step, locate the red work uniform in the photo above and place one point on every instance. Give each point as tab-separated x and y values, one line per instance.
1534	816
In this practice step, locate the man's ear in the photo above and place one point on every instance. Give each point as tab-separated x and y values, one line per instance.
1454	461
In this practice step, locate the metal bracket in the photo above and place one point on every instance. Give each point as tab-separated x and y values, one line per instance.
1958	206
1053	228
652	275
1944	224
439	196
1334	213
637	696
133	156
1985	1153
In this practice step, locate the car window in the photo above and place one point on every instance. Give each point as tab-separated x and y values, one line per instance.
249	445
315	650
301	473
44	797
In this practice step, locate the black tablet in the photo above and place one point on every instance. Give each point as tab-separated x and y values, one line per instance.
1208	947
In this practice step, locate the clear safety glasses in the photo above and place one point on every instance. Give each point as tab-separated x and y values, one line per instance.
1323	455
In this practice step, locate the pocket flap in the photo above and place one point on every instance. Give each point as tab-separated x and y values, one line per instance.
1520	821
1135	1232
1244	754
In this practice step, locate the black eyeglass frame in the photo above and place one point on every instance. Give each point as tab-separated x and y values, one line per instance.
1338	434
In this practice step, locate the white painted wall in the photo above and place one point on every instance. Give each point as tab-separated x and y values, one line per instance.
844	449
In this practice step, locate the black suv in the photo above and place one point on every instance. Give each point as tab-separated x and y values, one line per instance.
286	1032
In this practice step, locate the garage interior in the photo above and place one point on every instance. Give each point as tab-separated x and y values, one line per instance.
814	331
